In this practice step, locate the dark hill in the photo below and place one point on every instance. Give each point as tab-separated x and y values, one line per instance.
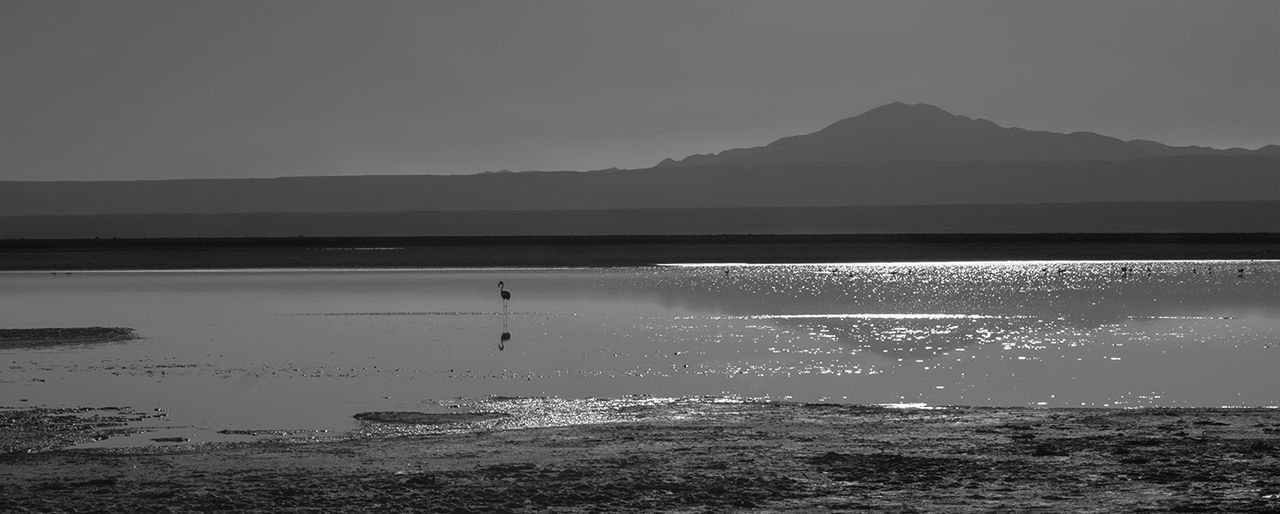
901	132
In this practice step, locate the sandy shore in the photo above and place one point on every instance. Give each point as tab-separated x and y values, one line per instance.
698	456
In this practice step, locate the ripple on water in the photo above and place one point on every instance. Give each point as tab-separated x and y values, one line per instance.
307	350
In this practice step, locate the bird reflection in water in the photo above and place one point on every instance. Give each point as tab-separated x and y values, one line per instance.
506	297
506	334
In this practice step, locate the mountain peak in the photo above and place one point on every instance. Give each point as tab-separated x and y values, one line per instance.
903	108
899	116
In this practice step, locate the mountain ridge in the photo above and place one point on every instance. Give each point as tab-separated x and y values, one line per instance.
900	157
901	132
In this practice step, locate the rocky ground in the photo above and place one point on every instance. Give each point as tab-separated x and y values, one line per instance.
672	457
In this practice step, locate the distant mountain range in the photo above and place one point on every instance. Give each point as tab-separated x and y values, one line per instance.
900	132
894	155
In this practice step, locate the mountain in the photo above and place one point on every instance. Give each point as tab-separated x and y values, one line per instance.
900	132
897	155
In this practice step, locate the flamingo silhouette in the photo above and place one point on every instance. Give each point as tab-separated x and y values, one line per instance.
506	333
506	295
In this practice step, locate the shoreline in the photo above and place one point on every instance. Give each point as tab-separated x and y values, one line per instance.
611	251
750	456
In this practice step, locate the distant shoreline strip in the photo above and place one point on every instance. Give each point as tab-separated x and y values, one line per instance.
955	263
366	269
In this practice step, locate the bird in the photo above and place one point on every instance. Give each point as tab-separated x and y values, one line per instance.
506	333
506	295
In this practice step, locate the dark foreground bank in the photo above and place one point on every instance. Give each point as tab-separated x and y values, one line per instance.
699	456
549	251
11	338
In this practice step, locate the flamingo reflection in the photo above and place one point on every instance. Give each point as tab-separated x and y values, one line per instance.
506	334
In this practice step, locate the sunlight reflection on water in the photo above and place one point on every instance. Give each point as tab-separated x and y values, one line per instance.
307	349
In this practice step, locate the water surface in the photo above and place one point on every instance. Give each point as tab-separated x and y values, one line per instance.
304	350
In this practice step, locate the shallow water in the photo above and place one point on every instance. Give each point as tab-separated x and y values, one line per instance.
302	351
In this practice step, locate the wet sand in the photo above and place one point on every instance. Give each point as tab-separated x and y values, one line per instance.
13	338
696	457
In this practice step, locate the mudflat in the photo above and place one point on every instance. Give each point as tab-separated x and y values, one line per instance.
11	338
752	456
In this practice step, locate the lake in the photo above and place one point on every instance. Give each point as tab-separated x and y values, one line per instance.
301	351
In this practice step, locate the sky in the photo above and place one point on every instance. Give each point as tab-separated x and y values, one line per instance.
130	89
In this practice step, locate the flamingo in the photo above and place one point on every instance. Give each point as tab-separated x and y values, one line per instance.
506	333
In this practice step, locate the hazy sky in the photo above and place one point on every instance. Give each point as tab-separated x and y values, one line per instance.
126	89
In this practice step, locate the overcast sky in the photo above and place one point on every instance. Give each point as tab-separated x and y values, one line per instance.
127	89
